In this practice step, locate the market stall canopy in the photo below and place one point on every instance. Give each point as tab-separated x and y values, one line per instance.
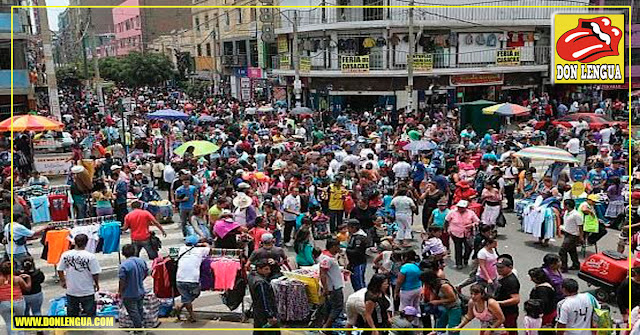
168	114
506	109
545	152
419	146
301	111
201	148
30	122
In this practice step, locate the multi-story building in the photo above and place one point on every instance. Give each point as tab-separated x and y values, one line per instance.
135	28
176	46
205	51
242	53
22	88
358	56
104	46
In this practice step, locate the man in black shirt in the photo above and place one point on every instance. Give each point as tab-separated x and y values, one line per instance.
356	253
622	294
265	310
508	293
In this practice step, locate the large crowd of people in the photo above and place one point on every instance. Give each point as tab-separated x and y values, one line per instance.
338	189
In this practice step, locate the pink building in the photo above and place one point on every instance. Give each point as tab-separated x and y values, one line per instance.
128	28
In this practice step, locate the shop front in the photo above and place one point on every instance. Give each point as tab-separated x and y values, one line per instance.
472	87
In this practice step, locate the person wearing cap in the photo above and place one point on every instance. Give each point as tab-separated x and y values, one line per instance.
186	196
190	258
573	232
81	186
459	224
404	320
591	222
269	252
265	309
508	293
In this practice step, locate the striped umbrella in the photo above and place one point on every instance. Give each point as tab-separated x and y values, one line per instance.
506	109
545	152
30	122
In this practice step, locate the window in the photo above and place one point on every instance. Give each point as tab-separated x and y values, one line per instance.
239	15
226	18
137	21
635	56
206	22
253	15
208	49
199	50
197	23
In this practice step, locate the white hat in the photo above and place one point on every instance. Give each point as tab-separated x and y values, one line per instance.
462	203
244	185
137	172
115	167
239	171
77	169
242	201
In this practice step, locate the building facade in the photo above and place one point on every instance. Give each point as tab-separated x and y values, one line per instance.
136	28
22	87
461	54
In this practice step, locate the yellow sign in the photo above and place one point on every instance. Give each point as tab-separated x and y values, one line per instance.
285	62
354	64
283	44
422	62
577	189
508	57
588	49
305	64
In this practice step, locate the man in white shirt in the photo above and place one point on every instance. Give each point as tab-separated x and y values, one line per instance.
573	146
576	310
401	169
190	258
605	134
573	236
575	107
78	271
332	281
291	208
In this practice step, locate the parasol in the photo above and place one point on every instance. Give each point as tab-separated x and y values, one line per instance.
167	114
206	118
202	148
30	122
301	111
265	109
506	109
544	152
419	146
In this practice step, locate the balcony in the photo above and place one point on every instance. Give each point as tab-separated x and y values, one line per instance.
448	63
452	17
20	80
239	60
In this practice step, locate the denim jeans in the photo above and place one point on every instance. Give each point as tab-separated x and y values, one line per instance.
81	207
134	308
357	276
5	311
33	304
335	220
185	216
146	245
87	303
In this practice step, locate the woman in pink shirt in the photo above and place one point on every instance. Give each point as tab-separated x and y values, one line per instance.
459	224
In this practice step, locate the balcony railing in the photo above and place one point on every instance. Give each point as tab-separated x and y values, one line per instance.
427	16
5	23
539	55
20	79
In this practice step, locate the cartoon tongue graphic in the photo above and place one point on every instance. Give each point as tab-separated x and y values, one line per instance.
592	39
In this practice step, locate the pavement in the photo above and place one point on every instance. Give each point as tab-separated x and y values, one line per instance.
511	240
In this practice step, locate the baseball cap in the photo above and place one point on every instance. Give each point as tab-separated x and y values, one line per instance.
267	238
504	262
462	203
411	311
191	240
115	167
137	172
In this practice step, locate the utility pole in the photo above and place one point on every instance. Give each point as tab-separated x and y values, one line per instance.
297	84
96	68
214	44
412	45
52	83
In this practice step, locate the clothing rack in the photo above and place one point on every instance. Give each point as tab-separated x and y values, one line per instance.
39	190
233	253
85	222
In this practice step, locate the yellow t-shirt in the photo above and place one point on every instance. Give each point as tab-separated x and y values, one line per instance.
336	197
214	212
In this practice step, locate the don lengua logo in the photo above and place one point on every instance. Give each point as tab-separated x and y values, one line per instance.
588	49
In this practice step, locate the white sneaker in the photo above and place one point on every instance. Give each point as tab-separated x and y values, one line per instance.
288	244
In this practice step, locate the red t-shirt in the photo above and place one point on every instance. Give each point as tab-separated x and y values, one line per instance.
138	221
59	207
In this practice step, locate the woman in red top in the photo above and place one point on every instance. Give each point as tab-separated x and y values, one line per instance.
463	192
20	283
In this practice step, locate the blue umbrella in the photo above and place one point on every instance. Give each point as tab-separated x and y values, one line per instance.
168	114
206	118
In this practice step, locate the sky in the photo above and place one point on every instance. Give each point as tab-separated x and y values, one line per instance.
53	13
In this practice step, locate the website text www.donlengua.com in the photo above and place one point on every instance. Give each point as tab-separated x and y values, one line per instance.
62	322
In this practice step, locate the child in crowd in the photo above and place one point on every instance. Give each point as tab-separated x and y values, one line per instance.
533	319
432	246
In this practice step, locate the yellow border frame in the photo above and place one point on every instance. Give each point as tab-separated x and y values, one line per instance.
326	329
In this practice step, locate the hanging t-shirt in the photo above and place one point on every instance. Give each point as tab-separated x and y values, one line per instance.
110	234
59	207
40	209
92	233
224	273
57	242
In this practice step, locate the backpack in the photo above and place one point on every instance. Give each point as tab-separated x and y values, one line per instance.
464	300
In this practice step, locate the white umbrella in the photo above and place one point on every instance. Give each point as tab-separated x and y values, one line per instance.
265	109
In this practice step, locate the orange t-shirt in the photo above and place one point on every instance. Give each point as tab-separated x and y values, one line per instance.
57	242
